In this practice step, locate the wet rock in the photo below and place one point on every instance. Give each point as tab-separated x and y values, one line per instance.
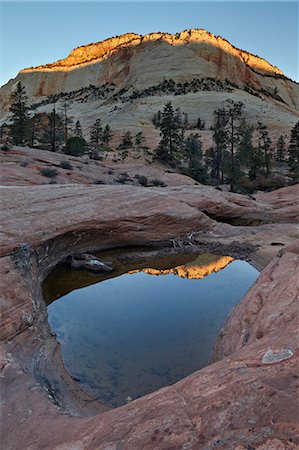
86	261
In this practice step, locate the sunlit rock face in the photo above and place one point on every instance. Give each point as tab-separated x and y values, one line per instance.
199	268
119	67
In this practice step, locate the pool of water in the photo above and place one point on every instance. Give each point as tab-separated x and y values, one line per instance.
145	325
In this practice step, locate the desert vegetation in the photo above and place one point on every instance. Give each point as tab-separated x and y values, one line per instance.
234	157
241	156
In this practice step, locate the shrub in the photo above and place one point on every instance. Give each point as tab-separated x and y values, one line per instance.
6	147
157	182
247	186
99	182
49	172
43	147
142	180
24	163
270	183
122	178
66	165
75	146
95	156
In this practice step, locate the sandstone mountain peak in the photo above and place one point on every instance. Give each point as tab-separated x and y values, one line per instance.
94	52
126	79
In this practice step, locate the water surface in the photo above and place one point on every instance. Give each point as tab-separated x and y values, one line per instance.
126	336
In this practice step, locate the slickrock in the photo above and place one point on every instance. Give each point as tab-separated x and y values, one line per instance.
22	166
121	81
245	399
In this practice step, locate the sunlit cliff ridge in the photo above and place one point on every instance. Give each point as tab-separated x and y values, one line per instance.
194	270
97	51
125	81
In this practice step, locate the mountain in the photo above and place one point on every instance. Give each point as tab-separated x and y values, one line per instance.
126	79
194	270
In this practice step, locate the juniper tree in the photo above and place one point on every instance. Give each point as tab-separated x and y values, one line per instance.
20	115
75	146
293	150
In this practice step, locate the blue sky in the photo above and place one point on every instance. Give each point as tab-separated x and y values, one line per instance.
34	33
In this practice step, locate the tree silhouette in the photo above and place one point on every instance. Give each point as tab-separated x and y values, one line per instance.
171	138
107	135
264	144
20	115
293	150
280	149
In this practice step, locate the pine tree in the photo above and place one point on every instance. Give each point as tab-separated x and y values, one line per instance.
127	140
171	138
20	116
139	139
293	150
220	139
193	154
53	133
280	149
106	136
96	132
233	112
245	148
33	125
78	129
67	121
157	119
264	145
200	124
185	121
255	163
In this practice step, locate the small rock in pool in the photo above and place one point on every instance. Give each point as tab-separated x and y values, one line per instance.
90	262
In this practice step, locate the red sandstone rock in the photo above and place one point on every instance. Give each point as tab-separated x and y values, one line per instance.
247	399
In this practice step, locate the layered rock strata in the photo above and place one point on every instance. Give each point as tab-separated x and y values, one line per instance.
125	80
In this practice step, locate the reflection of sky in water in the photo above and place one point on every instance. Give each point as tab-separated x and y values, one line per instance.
132	334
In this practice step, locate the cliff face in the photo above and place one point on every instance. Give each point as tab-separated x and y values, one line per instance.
98	51
121	78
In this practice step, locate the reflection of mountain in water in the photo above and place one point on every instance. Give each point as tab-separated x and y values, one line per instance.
199	268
